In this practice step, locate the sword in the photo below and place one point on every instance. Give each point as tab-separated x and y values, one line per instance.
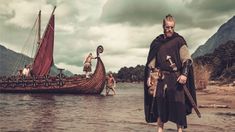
173	66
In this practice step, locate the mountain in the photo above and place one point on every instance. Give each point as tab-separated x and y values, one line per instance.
11	61
220	63
225	33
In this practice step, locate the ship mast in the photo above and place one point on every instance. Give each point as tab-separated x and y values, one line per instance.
39	28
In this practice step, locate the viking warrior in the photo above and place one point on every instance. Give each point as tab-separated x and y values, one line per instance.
110	84
170	102
87	65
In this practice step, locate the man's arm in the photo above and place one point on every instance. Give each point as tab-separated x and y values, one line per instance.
93	57
114	82
186	62
184	54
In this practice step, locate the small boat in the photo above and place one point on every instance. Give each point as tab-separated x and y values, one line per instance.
41	82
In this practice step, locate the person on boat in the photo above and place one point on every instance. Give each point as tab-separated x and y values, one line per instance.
170	103
87	64
20	73
110	84
26	71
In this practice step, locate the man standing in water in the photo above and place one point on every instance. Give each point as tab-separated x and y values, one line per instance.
170	103
110	84
87	65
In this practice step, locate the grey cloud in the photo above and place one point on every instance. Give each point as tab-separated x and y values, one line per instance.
69	59
207	14
71	51
6	15
136	12
113	52
197	13
16	38
212	6
52	2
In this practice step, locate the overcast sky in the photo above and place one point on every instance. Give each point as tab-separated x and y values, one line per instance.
125	28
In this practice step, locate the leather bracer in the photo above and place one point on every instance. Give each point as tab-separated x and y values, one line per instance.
186	66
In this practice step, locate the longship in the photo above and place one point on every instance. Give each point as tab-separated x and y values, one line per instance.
41	81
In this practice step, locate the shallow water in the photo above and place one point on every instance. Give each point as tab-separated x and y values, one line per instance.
99	113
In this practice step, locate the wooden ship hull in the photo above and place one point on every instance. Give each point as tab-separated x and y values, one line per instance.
56	84
41	82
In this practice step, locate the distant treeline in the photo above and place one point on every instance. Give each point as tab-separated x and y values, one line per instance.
221	62
130	74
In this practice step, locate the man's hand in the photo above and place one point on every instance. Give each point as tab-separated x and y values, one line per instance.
149	82
182	79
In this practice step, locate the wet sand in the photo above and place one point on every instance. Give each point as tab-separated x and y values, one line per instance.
215	94
215	119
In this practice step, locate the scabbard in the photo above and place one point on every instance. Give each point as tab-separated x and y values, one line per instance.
191	101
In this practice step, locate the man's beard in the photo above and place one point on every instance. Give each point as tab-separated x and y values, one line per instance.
169	34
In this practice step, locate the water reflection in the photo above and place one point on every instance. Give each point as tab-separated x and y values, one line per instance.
44	112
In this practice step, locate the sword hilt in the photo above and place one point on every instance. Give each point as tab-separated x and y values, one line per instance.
172	64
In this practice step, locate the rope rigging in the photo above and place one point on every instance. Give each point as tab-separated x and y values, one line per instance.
28	49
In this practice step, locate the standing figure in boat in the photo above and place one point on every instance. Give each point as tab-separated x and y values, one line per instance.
170	103
87	65
110	84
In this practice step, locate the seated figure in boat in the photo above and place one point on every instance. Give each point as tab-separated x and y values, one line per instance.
110	84
20	73
87	65
26	71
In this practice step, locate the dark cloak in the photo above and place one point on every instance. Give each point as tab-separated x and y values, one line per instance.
154	47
